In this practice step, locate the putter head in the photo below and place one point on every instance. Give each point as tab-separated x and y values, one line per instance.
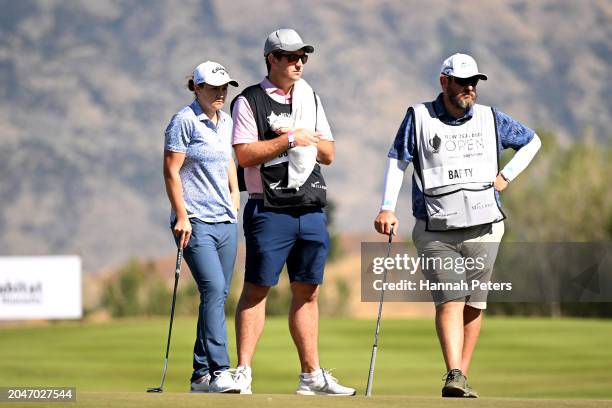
156	389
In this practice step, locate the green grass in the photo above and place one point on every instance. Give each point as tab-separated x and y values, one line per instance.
516	358
176	400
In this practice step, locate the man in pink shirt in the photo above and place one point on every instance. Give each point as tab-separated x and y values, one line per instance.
280	129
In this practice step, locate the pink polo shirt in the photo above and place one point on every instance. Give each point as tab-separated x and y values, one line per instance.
245	128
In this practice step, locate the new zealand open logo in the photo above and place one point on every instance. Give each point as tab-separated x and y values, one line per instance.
435	143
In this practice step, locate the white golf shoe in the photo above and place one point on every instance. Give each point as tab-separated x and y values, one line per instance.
202	384
224	382
322	383
243	379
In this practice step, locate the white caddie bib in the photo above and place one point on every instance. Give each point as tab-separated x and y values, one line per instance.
459	165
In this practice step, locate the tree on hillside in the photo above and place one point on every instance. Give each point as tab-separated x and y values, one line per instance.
564	196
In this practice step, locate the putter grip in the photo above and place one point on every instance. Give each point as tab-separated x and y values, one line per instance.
179	259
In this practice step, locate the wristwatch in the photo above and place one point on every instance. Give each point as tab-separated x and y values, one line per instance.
291	138
504	177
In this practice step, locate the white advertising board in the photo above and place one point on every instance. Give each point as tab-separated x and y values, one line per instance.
40	287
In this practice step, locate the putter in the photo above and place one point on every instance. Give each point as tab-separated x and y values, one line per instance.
177	274
380	305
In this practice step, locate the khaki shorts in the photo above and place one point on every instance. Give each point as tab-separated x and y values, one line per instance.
456	248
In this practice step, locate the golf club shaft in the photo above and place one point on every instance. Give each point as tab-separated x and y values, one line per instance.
380	305
176	279
177	275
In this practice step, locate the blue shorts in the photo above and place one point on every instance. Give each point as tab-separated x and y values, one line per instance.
298	238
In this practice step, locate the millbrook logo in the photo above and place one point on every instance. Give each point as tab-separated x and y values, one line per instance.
317	184
481	206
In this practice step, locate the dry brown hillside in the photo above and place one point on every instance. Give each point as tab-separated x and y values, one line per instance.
87	88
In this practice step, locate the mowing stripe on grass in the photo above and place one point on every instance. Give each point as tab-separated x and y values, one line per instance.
516	357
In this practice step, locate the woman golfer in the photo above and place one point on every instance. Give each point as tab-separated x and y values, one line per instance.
201	183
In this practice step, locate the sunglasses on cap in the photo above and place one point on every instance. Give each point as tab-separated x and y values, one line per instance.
473	81
292	57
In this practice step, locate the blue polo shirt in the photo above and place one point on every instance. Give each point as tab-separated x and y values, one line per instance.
207	151
512	134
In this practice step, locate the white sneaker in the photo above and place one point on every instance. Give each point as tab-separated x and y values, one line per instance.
202	384
224	382
322	383
243	379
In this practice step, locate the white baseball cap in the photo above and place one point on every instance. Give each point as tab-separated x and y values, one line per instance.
212	73
461	66
286	39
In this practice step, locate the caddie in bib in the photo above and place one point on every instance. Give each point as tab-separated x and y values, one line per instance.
454	145
281	138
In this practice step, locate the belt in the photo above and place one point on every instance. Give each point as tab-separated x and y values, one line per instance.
256	196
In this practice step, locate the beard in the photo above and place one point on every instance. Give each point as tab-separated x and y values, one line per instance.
463	103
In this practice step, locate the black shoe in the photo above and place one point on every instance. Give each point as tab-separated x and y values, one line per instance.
455	385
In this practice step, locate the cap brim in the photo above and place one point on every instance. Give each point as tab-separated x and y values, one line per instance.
230	82
294	47
478	75
308	48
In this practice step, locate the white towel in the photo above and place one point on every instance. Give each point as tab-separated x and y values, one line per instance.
302	159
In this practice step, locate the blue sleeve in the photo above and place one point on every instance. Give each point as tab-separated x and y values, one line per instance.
511	133
403	145
178	134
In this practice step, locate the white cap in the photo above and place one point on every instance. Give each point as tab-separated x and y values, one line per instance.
461	66
212	73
